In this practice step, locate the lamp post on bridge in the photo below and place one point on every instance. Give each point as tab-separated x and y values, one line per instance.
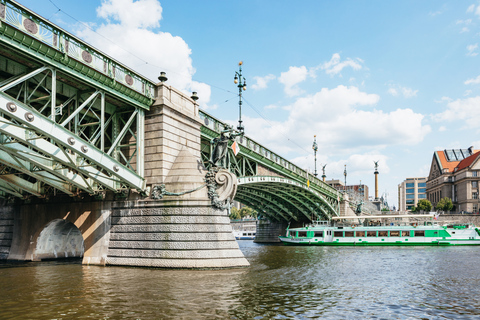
345	174
315	148
242	85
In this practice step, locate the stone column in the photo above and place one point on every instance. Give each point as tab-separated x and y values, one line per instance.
176	226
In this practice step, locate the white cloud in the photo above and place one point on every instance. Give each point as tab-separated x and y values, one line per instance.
406	92
471	8
335	65
473	80
471	49
262	82
335	116
393	92
465	110
138	14
128	35
442	129
292	78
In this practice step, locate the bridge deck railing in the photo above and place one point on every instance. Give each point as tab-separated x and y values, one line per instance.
72	47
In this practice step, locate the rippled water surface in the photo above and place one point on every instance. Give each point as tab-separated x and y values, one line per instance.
282	283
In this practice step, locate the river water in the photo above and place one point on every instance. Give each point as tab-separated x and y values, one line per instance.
282	283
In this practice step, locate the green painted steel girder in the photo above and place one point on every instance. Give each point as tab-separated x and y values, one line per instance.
54	46
306	200
45	127
289	195
269	199
259	206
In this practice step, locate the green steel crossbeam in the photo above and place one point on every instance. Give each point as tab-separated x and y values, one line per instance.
257	204
267	197
290	195
289	182
56	47
34	121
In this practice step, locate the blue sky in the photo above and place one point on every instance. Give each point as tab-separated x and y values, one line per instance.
374	80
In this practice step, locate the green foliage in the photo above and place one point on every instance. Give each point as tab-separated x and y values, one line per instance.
445	204
234	214
424	205
245	212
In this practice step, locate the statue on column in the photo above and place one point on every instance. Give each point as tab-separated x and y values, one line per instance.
219	156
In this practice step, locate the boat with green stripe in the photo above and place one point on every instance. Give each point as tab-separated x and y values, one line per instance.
426	233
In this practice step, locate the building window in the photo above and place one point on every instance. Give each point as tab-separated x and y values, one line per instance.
410	190
474	173
422	196
410	196
474	184
410	185
410	201
475	208
474	195
422	185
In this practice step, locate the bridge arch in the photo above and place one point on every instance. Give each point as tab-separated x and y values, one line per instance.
59	239
284	199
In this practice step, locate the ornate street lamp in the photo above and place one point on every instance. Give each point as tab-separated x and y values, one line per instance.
345	174
242	85
315	148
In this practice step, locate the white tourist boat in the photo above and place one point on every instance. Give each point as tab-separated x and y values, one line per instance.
426	233
244	234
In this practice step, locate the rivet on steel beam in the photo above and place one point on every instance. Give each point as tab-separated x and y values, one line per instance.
71	141
29	116
11	107
116	168
84	149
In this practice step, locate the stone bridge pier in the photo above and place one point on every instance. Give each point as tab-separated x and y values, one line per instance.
174	226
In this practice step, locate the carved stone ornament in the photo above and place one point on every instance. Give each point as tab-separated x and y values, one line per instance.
222	187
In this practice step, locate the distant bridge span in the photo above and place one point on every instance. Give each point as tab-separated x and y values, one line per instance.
270	184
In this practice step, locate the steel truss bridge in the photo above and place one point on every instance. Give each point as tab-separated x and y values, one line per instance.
72	121
270	184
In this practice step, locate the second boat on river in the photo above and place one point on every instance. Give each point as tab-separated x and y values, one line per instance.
428	233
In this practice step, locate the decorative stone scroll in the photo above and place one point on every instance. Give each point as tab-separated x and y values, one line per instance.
222	187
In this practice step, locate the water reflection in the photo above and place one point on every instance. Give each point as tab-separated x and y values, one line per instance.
282	282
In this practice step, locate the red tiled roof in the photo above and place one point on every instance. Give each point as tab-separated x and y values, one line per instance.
467	161
450	165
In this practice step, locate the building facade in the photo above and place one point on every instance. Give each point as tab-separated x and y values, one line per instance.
455	174
359	190
410	192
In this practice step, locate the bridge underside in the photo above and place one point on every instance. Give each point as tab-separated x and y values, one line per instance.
281	199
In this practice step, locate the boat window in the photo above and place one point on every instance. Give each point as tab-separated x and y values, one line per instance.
338	234
383	233
394	233
318	234
406	233
420	233
302	234
371	233
293	233
348	233
359	233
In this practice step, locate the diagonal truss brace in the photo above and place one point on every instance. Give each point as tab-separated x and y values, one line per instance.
62	137
56	154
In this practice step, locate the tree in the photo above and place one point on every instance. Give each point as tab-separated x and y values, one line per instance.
234	214
424	205
248	212
445	204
